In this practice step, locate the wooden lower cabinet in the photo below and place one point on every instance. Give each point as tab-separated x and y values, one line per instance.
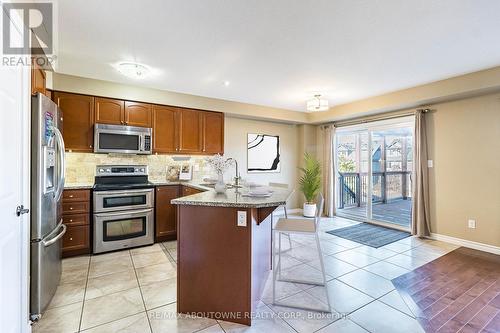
165	213
186	190
76	217
76	239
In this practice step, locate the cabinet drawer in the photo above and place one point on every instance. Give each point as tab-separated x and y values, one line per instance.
76	219
76	238
75	207
76	195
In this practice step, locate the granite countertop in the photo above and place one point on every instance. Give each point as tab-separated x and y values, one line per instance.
234	198
78	186
189	183
81	186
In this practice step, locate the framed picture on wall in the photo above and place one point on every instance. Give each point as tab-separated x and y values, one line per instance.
263	153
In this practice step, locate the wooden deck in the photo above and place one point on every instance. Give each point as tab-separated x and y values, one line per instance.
396	212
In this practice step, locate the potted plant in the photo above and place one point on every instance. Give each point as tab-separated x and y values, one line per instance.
310	184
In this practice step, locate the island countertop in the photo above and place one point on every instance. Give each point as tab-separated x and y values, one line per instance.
235	198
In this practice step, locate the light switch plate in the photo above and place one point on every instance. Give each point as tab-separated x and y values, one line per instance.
472	224
242	218
430	163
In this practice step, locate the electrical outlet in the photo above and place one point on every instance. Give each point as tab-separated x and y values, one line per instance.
242	218
472	224
430	163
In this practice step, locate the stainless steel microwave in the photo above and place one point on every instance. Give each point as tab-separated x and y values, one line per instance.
122	139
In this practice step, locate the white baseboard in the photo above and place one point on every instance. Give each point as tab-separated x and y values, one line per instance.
466	243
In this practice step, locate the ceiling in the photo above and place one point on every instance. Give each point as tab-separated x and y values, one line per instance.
279	53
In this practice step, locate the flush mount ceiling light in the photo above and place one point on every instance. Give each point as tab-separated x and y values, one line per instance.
317	103
133	70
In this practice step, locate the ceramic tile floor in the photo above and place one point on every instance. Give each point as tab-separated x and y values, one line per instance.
135	290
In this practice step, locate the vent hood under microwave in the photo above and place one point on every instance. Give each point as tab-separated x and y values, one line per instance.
122	139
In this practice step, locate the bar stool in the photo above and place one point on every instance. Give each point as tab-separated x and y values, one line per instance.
285	186
280	185
303	227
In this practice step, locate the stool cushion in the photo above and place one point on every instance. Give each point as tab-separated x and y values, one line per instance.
296	225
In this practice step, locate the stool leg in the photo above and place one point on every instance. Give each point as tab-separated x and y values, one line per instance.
322	264
279	254
274	266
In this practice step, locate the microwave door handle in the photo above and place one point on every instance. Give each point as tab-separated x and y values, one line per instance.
141	148
61	161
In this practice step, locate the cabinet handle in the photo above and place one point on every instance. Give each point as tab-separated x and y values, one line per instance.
71	196
70	208
71	238
90	146
71	220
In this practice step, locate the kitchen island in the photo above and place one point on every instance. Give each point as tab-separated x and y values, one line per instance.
224	252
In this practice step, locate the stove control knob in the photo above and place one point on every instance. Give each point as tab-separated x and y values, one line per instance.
143	170
101	170
108	170
136	170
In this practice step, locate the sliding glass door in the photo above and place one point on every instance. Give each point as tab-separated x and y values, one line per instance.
374	172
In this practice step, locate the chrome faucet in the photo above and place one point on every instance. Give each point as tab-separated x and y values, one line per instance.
237	178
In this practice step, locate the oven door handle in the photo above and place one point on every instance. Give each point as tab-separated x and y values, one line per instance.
127	193
134	213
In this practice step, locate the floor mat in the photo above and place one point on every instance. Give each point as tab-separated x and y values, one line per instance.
369	234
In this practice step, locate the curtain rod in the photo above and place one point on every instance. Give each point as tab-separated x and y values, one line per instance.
368	119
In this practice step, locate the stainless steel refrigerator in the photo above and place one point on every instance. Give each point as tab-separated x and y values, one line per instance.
47	183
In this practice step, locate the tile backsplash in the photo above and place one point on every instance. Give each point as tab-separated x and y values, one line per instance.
80	167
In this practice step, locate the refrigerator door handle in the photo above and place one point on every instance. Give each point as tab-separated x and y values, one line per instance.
62	171
56	238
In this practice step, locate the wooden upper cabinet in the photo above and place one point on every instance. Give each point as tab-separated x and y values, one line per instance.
137	114
78	121
190	131
38	83
109	111
164	129
213	132
165	219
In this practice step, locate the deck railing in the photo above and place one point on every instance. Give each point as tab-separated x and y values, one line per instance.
387	186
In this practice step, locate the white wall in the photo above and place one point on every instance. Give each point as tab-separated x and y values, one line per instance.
235	143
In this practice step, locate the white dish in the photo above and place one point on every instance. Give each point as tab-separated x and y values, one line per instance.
260	194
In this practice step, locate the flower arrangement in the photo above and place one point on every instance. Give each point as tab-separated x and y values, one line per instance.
219	163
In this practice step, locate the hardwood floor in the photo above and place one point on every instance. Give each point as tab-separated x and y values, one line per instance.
458	292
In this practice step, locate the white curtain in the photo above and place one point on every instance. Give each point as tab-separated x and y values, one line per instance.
421	225
328	170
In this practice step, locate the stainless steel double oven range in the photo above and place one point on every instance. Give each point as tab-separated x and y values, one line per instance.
123	207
